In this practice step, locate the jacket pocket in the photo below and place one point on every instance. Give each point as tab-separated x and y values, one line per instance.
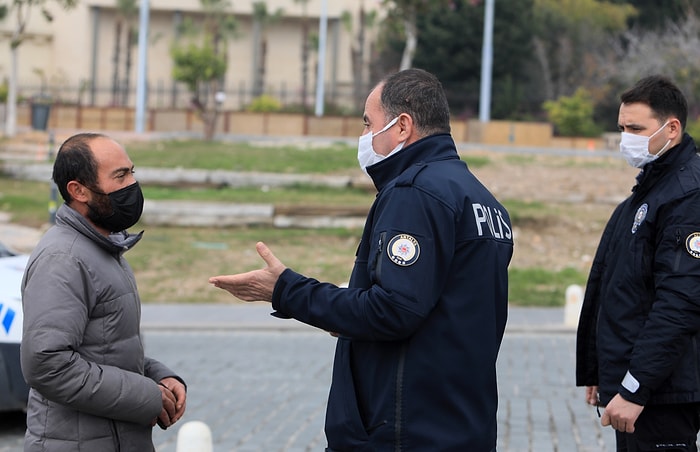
345	429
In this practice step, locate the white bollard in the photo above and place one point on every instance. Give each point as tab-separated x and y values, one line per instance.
572	308
194	436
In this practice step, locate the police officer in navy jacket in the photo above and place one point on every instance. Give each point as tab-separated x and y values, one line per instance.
421	323
637	348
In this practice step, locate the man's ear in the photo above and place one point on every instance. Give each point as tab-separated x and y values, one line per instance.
406	127
675	128
77	191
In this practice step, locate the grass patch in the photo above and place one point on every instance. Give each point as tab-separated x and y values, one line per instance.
174	264
520	211
520	159
243	157
27	202
299	194
476	161
304	159
540	287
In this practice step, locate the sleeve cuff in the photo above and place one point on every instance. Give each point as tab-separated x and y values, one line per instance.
631	390
277	293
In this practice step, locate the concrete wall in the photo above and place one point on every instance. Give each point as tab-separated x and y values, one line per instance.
506	133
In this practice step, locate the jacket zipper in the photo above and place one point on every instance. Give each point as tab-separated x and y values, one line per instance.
695	353
399	398
378	257
677	262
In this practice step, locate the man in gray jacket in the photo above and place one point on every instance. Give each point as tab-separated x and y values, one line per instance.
92	388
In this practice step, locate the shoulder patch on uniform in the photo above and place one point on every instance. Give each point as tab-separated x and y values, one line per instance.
639	217
403	250
692	244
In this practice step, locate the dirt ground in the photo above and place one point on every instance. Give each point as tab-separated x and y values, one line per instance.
565	203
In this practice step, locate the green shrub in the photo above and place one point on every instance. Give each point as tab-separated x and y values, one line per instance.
3	91
572	116
693	128
264	104
541	287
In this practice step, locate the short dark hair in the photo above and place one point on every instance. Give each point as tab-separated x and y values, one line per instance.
419	94
75	161
661	95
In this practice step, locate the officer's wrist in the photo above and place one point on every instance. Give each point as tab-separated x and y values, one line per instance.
633	391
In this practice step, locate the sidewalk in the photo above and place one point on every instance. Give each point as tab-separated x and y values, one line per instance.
21	239
256	316
262	388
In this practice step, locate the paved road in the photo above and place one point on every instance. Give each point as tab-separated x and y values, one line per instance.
261	383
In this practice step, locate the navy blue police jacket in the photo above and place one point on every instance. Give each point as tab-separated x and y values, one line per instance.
638	333
421	322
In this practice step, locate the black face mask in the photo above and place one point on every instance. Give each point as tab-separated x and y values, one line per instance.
122	211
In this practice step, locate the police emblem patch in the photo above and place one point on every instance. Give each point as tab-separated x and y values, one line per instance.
403	250
692	244
639	217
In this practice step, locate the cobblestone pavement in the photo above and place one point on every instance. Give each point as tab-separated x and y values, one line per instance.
264	387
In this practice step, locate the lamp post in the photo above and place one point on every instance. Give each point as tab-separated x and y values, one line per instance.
322	32
53	191
141	75
486	63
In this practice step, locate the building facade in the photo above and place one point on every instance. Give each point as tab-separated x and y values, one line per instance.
83	55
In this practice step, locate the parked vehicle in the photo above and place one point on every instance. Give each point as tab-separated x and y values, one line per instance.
13	388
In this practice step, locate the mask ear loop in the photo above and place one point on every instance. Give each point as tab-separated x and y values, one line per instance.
386	127
663	149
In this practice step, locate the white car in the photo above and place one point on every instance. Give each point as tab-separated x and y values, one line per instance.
13	388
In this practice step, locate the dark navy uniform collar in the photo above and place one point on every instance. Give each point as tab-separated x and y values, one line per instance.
676	156
430	148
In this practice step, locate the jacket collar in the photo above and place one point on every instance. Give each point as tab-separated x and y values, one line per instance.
430	148
116	243
674	157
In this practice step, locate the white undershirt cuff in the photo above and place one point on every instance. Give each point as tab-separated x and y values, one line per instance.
630	383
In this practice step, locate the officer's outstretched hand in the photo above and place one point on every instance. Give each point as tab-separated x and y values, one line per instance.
256	285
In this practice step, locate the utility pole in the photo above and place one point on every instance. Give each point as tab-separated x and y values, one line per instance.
486	63
322	37
141	75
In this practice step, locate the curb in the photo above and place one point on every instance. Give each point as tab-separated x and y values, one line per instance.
256	317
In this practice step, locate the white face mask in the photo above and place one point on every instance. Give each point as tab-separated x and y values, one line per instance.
635	148
365	152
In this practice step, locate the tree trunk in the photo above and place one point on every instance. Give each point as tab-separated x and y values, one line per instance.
130	32
209	118
257	44
411	40
304	62
543	59
11	112
115	62
260	88
357	54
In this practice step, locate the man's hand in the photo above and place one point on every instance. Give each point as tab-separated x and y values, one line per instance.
592	395
256	285
174	398
621	414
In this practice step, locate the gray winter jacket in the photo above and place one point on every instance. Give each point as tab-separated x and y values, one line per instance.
92	389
